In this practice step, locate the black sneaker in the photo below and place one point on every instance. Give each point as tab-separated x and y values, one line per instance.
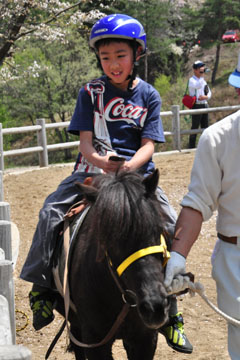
174	334
42	308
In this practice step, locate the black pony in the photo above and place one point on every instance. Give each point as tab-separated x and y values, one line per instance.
118	260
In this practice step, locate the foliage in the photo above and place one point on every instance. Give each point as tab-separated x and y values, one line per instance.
45	80
4	115
48	19
162	84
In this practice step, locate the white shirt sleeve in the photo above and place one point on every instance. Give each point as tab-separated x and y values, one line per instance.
206	175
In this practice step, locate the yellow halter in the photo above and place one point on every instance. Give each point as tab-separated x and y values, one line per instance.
162	248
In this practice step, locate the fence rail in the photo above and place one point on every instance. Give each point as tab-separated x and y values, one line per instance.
43	148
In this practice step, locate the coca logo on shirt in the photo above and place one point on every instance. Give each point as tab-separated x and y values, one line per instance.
116	110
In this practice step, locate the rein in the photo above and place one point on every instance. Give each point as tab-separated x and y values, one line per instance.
128	296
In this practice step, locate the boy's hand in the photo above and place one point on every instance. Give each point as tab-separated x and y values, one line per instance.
112	163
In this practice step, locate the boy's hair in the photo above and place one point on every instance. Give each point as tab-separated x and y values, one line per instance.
107	41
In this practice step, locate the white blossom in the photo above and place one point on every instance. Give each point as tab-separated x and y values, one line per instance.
177	50
11	71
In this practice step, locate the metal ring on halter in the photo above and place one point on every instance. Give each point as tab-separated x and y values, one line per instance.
132	296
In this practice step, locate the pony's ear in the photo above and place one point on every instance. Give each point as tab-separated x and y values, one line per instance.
90	193
151	182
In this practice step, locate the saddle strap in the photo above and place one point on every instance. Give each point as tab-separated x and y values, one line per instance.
66	293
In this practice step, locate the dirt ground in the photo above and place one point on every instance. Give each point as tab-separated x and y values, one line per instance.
26	191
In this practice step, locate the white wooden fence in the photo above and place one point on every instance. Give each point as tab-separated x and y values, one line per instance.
43	148
8	348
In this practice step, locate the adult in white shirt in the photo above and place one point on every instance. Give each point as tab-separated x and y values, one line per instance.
198	87
215	185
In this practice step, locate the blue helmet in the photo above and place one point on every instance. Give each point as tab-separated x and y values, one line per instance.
118	26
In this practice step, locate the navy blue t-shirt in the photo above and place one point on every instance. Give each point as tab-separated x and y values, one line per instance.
118	119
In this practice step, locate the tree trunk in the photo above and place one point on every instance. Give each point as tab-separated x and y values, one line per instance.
214	73
146	67
14	29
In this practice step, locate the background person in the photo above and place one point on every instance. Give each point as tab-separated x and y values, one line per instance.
198	87
215	184
117	114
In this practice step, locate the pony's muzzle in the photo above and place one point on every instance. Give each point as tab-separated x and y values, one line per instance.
154	313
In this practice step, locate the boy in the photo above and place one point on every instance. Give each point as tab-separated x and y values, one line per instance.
118	118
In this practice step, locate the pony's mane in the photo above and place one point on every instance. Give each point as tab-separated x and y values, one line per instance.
124	210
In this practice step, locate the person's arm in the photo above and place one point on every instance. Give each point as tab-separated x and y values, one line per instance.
205	96
143	154
187	229
89	152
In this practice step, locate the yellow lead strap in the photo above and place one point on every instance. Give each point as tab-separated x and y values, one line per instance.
143	252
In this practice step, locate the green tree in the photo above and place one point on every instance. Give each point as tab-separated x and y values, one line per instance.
212	19
46	79
23	17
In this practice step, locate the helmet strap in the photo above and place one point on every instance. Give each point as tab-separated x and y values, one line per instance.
132	77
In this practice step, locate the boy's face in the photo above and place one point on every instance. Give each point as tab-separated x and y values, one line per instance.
117	62
199	72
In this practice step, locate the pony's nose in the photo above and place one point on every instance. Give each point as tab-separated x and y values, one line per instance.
155	312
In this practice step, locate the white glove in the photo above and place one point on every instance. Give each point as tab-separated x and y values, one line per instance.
176	265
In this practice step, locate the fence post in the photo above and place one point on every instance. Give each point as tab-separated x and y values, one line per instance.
5	230
5	238
5	322
4	211
6	264
42	141
1	149
176	127
7	290
1	186
15	352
